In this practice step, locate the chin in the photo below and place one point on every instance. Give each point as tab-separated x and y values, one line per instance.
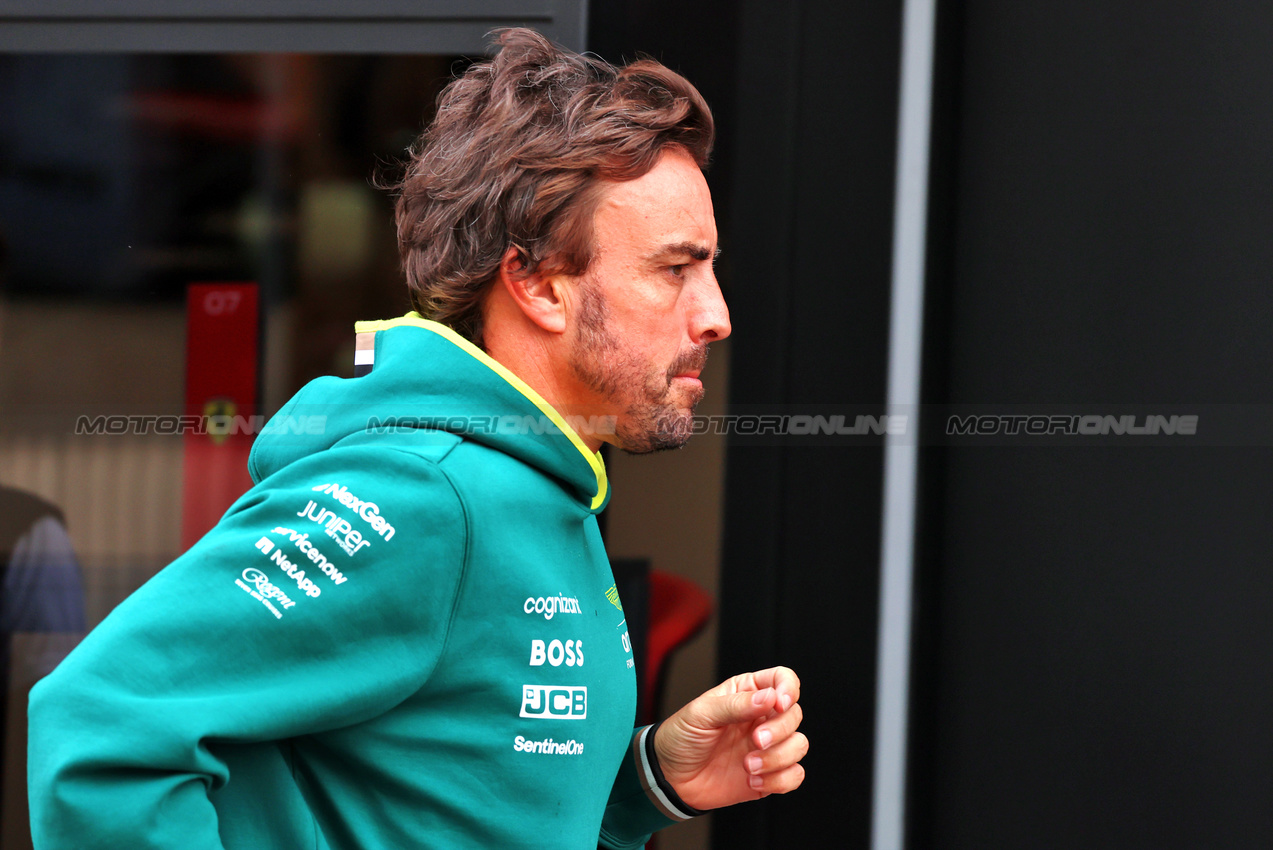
657	430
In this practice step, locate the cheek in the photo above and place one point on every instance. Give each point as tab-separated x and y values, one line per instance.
662	354
650	331
649	337
664	329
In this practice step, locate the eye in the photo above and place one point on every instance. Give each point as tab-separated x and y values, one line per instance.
678	270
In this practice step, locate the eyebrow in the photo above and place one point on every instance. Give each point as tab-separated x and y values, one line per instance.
694	250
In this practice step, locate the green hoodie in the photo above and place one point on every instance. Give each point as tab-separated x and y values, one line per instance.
406	635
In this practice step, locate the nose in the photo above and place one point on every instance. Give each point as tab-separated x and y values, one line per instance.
710	322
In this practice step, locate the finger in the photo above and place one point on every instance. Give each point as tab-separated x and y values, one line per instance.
744	707
783	680
779	757
777	783
778	728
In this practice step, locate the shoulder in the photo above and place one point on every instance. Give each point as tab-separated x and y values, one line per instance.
362	504
362	476
19	512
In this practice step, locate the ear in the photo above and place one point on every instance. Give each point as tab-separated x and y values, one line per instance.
539	296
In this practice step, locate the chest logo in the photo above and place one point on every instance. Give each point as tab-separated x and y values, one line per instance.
556	653
553	702
549	606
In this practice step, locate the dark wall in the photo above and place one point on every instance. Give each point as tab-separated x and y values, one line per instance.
1096	613
698	39
805	95
812	225
805	99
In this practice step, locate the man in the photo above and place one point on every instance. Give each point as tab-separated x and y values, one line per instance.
41	600
407	634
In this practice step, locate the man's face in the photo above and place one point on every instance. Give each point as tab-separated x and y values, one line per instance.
649	304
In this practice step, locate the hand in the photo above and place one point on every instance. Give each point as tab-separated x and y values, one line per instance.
736	742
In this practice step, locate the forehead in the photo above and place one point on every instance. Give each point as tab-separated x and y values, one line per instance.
668	205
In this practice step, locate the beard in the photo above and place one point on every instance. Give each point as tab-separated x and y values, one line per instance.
651	420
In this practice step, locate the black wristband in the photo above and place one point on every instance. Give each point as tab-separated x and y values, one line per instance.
656	784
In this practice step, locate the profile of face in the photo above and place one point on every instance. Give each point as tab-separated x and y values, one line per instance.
648	305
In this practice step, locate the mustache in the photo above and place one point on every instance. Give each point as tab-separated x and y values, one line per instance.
692	359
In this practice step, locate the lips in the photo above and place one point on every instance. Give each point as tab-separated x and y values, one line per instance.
689	364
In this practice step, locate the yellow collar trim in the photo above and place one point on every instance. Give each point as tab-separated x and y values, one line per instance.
414	319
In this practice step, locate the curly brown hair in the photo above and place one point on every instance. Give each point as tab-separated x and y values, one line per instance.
515	158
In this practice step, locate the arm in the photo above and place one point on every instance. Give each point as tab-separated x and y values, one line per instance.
42	591
123	734
737	742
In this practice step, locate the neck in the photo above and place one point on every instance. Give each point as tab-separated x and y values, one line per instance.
538	357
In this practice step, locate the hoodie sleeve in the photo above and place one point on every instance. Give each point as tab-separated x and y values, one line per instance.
641	800
322	599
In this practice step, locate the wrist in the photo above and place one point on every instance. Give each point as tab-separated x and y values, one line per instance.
657	787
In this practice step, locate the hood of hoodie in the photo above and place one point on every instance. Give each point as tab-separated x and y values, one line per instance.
424	375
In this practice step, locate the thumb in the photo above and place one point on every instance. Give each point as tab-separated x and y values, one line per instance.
717	711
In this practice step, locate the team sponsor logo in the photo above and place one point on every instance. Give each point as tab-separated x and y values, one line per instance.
627	642
556	653
303	582
336	526
554	702
548	747
309	550
368	511
613	595
265	587
259	585
550	606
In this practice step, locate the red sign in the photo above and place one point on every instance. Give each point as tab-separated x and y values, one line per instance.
222	330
